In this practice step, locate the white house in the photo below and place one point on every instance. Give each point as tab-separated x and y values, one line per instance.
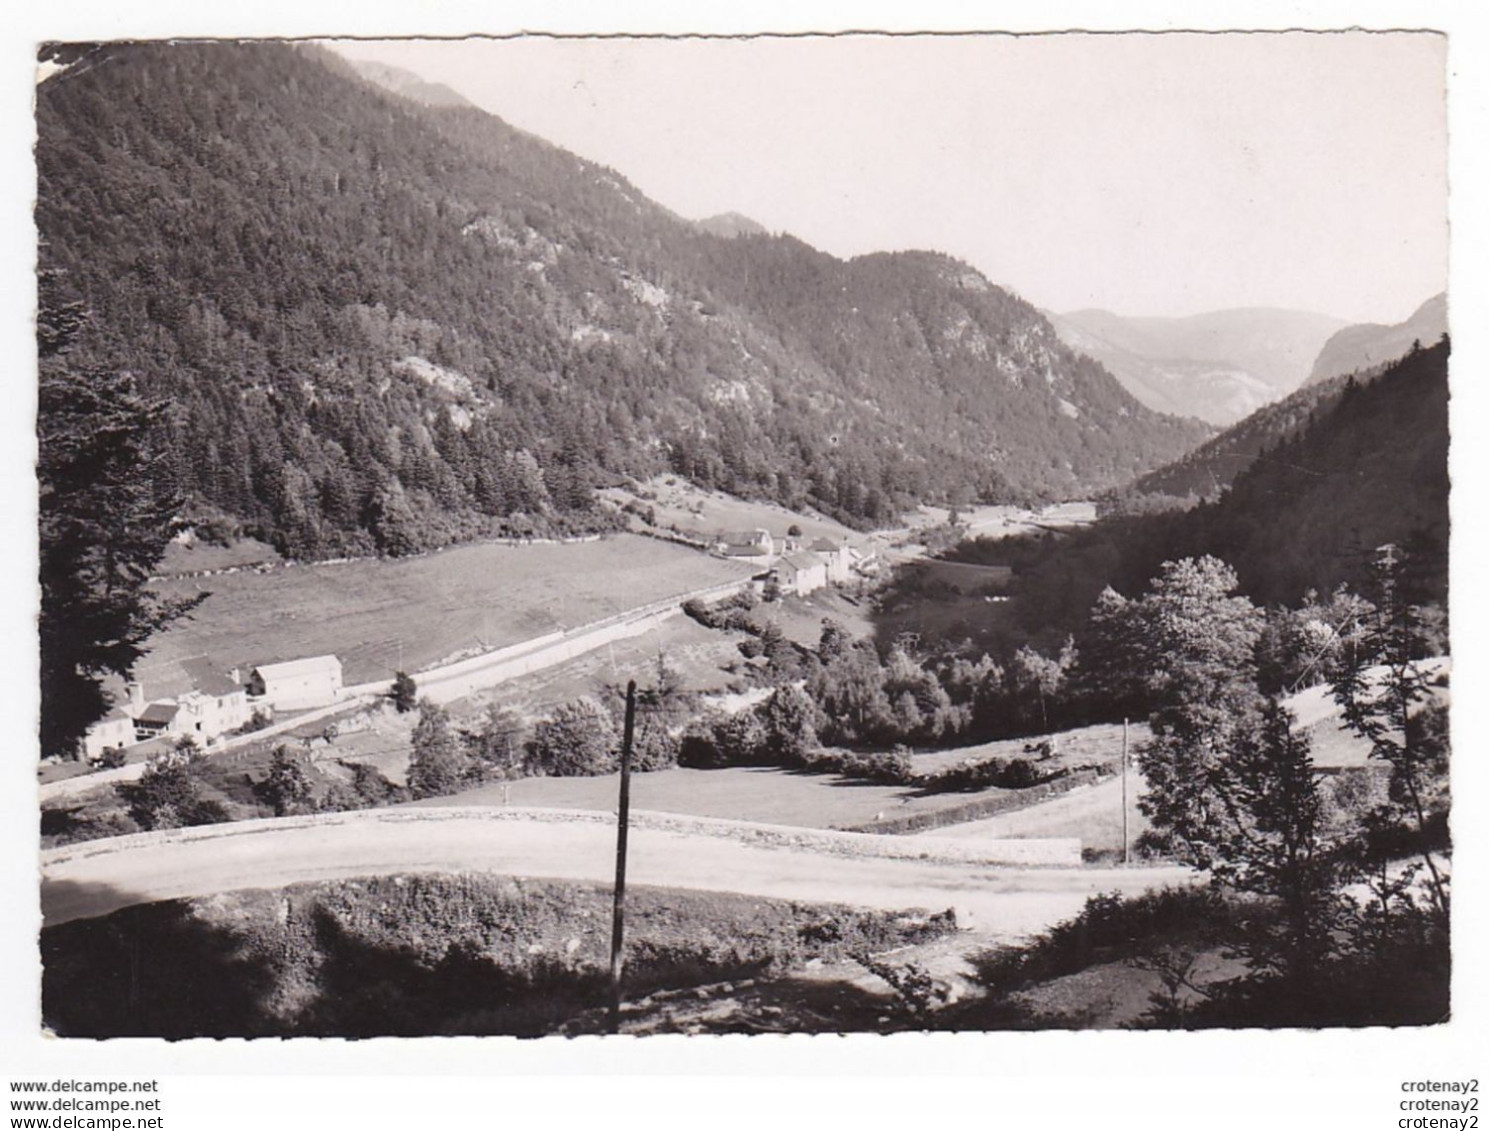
839	560
745	544
801	573
297	685
116	729
215	706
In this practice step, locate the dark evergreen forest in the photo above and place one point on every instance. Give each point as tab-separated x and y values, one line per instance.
1367	468
381	327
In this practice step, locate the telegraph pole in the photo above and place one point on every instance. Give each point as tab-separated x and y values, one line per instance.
618	923
1126	850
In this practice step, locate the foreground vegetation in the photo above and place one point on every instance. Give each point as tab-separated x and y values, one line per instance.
1201	958
424	955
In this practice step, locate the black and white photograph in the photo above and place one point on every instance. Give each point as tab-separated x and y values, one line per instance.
860	534
628	539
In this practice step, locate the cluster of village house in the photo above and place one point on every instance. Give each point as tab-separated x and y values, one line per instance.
221	703
217	703
797	567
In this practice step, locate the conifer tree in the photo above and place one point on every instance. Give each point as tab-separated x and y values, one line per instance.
107	512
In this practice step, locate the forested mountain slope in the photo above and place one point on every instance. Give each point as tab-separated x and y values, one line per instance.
1370	344
1208	470
1211	467
1369	467
384	325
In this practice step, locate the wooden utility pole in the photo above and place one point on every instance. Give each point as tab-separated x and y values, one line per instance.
1126	849
618	923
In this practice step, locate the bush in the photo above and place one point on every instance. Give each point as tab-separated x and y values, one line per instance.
791	720
891	767
721	740
655	747
169	792
373	789
1108	928
438	765
699	610
405	693
286	788
696	749
256	721
1019	773
579	740
497	747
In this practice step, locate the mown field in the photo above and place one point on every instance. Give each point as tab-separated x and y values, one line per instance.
413	613
742	793
1093	813
677	503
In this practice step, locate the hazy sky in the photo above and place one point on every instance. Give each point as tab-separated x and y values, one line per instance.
1159	174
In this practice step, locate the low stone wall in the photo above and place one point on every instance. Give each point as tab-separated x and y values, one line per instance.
1002	802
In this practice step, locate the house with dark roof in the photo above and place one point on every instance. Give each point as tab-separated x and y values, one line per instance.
155	720
215	706
212	705
839	559
801	573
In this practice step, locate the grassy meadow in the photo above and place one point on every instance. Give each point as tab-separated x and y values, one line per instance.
413	613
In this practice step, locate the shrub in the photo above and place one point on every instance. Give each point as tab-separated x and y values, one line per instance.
168	794
497	747
740	740
404	693
256	721
655	747
579	740
1019	773
696	749
438	764
286	788
720	740
790	719
372	788
699	610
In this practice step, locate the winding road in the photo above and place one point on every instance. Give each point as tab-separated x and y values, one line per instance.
1000	902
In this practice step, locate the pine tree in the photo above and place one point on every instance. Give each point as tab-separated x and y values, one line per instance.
1386	696
107	513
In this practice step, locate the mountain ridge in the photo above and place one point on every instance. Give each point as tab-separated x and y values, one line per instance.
1218	366
387	326
1370	344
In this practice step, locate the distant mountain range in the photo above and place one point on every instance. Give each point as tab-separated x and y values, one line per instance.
1313	486
385	320
1219	366
1369	345
1357	354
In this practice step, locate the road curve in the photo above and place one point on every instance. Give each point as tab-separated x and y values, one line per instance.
97	877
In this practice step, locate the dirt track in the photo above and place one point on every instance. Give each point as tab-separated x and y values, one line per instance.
95	878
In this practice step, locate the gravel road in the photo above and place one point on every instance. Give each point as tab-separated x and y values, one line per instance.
95	878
